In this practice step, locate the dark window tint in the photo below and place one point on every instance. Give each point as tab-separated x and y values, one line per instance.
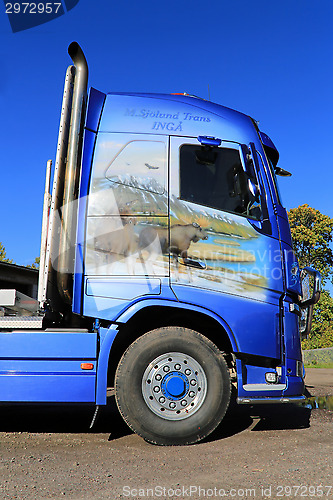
215	177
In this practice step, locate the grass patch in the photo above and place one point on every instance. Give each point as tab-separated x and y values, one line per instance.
318	365
318	358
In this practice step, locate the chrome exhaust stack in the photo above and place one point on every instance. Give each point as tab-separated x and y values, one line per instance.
61	239
72	175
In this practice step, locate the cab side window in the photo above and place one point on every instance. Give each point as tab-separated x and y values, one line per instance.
129	175
140	164
215	177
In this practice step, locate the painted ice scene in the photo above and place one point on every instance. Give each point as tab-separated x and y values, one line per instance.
137	226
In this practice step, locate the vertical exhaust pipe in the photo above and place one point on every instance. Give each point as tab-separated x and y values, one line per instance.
65	265
42	275
49	293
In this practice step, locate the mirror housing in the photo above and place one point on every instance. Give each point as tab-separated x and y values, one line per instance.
311	286
281	172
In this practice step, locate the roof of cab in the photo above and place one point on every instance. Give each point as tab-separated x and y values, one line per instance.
179	115
185	98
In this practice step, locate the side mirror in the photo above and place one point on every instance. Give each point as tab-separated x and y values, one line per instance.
249	152
254	188
281	172
311	284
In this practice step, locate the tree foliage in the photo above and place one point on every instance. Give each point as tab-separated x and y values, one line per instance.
312	233
3	254
35	264
322	324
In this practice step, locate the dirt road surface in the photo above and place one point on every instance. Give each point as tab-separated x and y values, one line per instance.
319	381
277	452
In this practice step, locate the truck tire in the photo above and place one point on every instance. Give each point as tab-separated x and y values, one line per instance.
172	386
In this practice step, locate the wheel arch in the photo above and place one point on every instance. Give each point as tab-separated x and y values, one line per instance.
148	315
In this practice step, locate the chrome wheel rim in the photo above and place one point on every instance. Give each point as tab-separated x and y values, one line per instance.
174	386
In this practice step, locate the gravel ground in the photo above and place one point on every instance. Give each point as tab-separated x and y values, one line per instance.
275	452
319	381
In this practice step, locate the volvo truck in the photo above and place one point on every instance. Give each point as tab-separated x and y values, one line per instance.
166	271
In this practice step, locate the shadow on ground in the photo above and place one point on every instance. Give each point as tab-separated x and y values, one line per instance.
61	418
261	418
77	419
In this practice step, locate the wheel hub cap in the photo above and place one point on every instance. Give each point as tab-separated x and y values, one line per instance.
174	386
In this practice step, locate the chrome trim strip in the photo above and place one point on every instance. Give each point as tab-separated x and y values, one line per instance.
264	387
267	400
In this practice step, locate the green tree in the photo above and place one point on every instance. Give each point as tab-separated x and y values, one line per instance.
322	331
312	233
35	264
3	254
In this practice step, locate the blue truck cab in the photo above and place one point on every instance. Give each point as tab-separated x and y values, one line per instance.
167	268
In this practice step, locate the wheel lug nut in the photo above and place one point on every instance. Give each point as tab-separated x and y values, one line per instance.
184	402
187	371
191	394
162	399
177	366
193	382
166	368
172	405
158	377
156	388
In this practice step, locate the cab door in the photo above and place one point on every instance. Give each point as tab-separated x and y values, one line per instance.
127	210
221	257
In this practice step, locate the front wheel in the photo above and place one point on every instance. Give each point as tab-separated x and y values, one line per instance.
172	386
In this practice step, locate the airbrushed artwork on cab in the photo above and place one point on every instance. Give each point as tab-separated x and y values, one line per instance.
135	229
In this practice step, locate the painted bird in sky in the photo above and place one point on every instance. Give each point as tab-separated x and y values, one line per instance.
151	167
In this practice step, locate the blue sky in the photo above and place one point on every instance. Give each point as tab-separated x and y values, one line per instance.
271	60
